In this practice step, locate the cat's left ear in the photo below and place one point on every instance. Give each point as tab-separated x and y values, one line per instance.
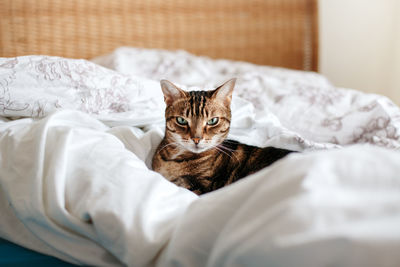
224	92
171	92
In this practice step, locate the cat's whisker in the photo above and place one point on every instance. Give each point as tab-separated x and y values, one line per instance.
170	144
219	149
225	148
222	147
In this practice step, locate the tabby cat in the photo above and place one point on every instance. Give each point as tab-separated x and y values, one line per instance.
194	152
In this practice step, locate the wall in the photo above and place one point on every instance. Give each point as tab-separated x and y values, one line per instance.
360	45
395	82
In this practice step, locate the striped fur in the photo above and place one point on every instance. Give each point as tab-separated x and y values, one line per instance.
194	152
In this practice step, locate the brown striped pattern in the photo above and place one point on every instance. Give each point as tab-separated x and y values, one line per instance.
223	162
213	169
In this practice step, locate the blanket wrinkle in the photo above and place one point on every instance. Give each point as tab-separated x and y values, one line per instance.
76	142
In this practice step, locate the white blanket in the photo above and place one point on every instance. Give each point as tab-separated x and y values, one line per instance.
76	188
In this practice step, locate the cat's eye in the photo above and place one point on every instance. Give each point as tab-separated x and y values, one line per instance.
213	121
181	121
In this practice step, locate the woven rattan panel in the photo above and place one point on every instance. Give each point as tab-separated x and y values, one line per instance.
273	32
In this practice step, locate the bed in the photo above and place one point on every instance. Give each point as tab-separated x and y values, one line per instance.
81	113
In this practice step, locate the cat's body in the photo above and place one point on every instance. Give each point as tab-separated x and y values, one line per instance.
194	152
214	168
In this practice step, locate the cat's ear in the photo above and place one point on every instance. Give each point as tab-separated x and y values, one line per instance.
224	92
171	92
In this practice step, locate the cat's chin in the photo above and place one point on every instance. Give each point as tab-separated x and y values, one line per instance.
197	149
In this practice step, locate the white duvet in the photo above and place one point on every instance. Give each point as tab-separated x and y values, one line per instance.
76	141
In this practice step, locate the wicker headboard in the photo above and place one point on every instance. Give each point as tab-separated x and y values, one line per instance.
271	32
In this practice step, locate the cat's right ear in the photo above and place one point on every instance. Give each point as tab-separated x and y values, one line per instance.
171	92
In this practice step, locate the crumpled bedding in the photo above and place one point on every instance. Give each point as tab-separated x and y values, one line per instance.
76	141
304	102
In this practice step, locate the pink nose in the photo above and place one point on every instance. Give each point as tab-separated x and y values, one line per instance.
196	140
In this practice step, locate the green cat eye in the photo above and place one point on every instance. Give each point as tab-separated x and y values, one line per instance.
213	121
181	121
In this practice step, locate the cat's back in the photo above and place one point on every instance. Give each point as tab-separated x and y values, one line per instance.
249	159
211	170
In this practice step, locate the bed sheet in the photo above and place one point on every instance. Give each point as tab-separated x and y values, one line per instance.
76	147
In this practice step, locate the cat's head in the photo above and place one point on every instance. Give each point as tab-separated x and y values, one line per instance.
197	120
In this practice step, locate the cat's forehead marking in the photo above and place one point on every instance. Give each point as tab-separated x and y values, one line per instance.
197	102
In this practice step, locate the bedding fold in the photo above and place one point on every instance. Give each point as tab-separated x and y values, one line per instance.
87	199
82	196
325	208
76	142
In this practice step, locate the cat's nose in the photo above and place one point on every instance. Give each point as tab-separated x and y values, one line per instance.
196	140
